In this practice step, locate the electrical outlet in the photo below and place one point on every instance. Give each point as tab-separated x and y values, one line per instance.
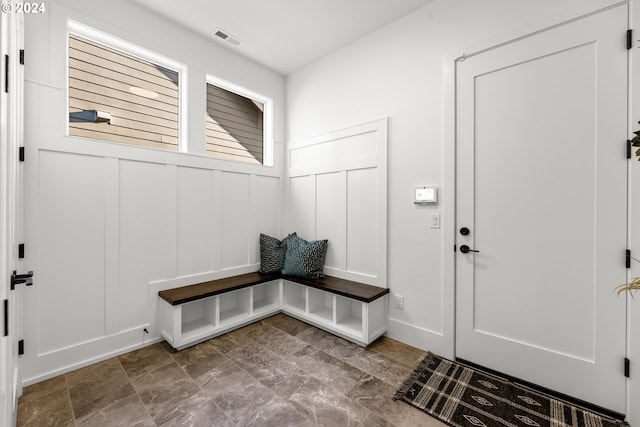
399	302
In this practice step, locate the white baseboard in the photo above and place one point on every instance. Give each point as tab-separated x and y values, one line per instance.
416	336
46	374
413	335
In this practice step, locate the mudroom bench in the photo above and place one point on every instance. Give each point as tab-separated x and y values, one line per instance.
195	313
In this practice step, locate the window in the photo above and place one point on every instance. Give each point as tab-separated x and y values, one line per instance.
121	97
238	124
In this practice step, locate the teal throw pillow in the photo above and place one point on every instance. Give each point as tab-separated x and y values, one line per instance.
305	259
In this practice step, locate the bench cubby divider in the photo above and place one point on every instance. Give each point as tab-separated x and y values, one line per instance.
195	313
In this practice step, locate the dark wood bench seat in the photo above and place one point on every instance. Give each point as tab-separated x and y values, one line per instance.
198	291
347	288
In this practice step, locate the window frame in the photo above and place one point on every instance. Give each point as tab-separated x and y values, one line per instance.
112	42
267	118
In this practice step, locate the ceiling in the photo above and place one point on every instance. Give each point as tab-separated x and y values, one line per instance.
284	35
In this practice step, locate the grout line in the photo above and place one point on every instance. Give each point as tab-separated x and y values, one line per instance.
146	409
134	388
68	393
287	401
200	389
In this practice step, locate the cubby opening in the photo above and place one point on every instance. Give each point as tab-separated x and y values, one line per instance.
265	297
198	317
295	297
349	315
234	306
321	305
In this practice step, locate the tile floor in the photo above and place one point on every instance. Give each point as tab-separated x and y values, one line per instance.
278	372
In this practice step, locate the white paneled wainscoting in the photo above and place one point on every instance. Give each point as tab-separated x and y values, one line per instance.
102	228
337	190
106	224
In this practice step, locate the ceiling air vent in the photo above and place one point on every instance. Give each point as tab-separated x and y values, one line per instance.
223	35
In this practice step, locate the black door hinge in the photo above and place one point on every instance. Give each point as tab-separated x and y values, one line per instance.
629	145
21	250
21	154
21	56
20	347
6	318
627	367
627	258
629	39
6	73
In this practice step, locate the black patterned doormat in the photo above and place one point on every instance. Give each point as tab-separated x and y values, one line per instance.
461	396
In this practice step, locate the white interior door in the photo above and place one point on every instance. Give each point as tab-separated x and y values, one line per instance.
10	213
541	187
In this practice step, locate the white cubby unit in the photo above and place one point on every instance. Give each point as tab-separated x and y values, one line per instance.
356	320
195	313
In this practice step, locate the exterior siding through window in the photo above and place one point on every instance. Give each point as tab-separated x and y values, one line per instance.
141	98
234	126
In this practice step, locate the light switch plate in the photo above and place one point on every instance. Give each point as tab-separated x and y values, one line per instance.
434	220
426	195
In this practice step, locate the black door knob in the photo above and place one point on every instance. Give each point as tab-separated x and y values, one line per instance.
466	249
464	231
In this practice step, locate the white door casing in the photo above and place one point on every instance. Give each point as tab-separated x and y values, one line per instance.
11	98
541	184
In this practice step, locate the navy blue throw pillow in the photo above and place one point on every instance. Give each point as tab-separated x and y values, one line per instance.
272	253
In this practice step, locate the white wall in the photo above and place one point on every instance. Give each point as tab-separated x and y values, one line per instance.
103	220
404	71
